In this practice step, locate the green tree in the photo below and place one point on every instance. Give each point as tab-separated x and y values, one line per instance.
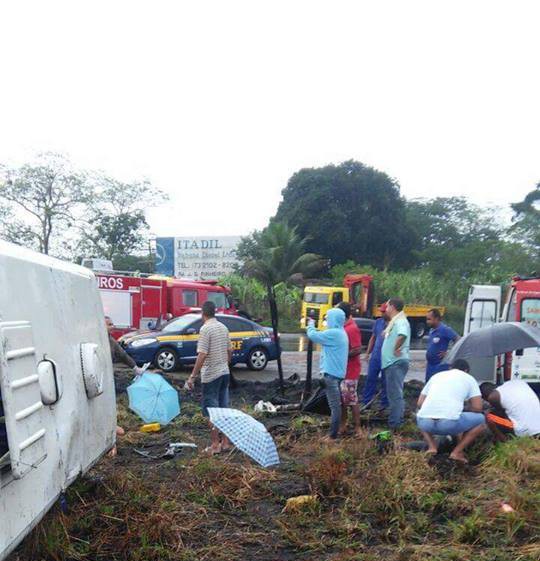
143	262
43	200
526	227
457	237
349	211
116	225
278	255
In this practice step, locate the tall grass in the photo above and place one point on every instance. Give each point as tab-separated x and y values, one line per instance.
418	286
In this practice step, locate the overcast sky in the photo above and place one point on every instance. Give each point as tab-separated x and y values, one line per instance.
219	102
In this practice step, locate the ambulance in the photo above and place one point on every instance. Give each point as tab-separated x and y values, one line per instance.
486	306
58	408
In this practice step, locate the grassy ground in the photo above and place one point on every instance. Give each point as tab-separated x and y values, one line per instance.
368	506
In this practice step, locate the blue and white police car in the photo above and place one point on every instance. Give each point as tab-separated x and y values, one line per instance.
175	344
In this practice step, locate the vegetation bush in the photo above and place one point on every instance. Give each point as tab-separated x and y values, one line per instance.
415	287
369	506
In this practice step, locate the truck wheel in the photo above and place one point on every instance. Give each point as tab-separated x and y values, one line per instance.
257	359
166	359
419	329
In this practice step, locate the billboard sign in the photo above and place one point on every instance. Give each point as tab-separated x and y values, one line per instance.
198	258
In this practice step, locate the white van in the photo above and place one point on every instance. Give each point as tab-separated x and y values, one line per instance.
483	309
56	383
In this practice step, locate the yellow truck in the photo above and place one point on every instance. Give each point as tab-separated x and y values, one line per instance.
359	291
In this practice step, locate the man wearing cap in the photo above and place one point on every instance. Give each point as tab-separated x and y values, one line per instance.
375	372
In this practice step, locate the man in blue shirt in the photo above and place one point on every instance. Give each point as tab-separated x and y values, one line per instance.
395	359
334	357
440	337
375	366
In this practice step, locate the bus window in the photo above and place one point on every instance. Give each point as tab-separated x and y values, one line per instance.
530	311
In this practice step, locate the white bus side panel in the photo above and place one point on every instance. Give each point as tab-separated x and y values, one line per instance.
61	303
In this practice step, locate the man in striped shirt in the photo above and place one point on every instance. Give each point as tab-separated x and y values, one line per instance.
214	353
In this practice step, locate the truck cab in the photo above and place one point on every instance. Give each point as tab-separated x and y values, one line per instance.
318	300
56	385
187	296
359	291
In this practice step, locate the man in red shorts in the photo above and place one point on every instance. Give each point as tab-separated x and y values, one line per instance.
349	386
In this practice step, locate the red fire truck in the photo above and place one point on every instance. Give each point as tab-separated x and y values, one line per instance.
138	303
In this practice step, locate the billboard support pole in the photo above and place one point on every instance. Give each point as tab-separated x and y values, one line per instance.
274	316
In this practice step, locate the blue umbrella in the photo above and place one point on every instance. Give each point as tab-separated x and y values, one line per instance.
245	433
153	399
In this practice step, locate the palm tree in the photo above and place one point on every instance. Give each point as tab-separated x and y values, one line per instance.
280	256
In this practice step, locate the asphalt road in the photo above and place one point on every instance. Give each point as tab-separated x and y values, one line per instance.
294	362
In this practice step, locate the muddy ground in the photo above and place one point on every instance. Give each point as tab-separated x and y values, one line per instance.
367	504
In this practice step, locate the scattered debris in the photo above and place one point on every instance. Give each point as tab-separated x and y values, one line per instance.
289	407
173	448
151	427
507	508
383	439
300	503
264	407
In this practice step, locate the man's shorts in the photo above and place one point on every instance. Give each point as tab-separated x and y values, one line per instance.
349	393
503	424
215	393
451	427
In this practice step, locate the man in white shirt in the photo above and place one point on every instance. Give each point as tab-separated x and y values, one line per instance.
516	409
441	405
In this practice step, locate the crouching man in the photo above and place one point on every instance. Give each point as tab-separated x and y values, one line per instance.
441	409
515	409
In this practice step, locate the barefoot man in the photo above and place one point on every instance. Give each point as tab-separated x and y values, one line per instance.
213	359
441	409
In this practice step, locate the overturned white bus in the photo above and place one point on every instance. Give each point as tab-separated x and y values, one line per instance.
56	384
